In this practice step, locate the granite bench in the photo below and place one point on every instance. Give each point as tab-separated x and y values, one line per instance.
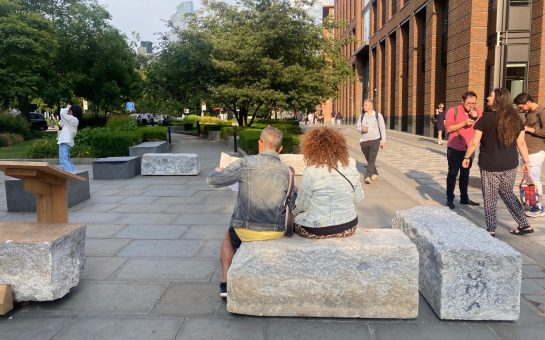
148	147
41	262
116	167
372	274
465	274
170	164
20	200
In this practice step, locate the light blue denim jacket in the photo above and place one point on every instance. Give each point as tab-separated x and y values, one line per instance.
325	198
262	186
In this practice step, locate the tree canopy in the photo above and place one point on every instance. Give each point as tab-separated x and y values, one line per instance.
253	55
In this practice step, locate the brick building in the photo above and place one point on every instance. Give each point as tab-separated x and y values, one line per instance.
411	55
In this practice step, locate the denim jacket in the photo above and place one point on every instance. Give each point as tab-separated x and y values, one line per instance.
262	186
326	198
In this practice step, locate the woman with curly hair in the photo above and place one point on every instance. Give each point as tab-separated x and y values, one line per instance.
330	188
500	133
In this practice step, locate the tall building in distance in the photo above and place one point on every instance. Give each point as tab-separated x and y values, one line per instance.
145	49
411	55
178	19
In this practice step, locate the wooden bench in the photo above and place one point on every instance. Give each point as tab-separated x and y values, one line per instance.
465	274
148	147
170	164
372	274
116	168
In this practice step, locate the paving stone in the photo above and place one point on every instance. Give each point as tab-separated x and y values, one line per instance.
152	232
94	207
189	299
169	193
179	200
204	232
510	332
312	330
221	329
188	270
191	208
139	208
529	286
417	331
537	300
121	328
31	327
104	247
210	249
533	271
204	219
162	248
99	268
151	218
93	217
103	230
540	282
140	199
110	298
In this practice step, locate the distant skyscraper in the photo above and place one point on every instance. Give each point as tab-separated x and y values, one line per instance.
146	48
178	19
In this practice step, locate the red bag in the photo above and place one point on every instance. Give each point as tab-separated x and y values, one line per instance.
527	190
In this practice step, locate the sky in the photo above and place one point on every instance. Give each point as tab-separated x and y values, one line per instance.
146	17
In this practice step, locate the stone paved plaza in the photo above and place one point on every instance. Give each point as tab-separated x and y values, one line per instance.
152	248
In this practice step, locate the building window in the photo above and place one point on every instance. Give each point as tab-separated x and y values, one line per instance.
515	78
366	26
384	10
375	17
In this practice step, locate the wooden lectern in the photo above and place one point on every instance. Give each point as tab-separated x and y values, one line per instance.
49	185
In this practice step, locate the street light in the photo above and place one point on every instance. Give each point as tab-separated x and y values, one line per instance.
235	146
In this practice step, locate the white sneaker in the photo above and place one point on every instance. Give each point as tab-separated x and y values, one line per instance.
374	177
368	180
535	212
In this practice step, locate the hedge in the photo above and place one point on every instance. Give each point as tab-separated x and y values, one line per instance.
121	122
7	139
14	124
250	137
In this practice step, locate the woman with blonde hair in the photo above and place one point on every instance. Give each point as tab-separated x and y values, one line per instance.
330	188
500	132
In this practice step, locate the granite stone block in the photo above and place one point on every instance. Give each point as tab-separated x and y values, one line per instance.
464	273
372	274
20	200
170	164
116	167
148	147
41	262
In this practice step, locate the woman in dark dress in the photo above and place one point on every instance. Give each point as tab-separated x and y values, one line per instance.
440	117
500	132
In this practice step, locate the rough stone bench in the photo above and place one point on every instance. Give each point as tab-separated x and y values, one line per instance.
41	262
465	274
170	164
116	167
20	200
148	147
372	274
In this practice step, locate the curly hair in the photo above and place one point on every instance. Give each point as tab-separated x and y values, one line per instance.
324	146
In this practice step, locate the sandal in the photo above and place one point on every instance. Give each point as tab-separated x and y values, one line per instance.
522	231
491	232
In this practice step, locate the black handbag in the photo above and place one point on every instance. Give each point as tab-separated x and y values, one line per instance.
287	203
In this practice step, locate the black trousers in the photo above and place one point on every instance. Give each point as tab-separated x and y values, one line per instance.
370	151
455	159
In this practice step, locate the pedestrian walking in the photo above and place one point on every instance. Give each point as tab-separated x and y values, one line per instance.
372	137
500	133
333	114
535	141
439	117
459	122
339	118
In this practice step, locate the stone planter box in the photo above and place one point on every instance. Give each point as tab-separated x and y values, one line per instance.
170	164
20	200
116	168
214	136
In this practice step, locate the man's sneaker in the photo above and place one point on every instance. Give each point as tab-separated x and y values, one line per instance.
536	212
374	177
368	180
470	202
223	289
450	204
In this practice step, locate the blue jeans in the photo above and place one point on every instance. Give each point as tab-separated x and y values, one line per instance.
64	157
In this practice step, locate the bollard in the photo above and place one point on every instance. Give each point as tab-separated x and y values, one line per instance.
169	138
235	139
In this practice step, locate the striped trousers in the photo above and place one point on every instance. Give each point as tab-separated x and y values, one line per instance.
501	182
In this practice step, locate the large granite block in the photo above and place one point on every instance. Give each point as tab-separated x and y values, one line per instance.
20	200
372	274
171	164
464	273
148	147
116	167
296	161
41	262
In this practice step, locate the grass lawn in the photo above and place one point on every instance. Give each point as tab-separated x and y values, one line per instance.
21	150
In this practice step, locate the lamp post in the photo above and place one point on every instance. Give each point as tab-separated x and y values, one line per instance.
235	146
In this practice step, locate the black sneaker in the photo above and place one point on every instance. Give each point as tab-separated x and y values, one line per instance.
223	289
470	202
450	204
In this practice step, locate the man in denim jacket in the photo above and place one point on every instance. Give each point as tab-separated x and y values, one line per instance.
259	212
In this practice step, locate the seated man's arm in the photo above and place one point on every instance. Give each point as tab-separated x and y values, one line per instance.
223	177
302	202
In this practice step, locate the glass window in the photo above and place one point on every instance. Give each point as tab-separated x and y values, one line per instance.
515	78
366	27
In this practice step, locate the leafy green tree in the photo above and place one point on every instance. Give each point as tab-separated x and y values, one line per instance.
28	45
